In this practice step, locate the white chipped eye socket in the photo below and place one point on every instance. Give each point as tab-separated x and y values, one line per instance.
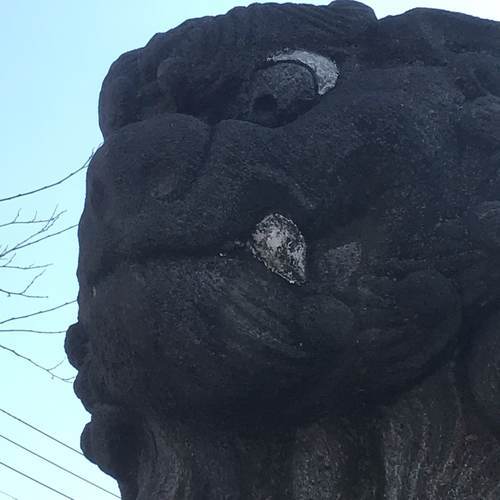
290	84
325	69
279	244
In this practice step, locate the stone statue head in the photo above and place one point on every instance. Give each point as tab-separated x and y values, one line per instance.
295	214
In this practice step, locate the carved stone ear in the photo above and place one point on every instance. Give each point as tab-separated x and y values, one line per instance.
358	9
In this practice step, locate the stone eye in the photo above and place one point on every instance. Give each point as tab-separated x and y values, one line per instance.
289	85
279	244
325	70
280	93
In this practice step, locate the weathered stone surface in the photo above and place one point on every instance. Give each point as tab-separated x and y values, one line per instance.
289	278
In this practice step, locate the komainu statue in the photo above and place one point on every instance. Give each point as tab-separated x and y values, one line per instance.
290	259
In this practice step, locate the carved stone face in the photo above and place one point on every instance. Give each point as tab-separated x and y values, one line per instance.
288	212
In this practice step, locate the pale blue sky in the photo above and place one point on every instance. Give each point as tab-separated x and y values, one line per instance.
54	55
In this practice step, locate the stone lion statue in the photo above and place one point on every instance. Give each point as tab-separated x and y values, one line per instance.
290	259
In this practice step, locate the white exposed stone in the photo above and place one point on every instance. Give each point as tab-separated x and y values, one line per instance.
279	244
325	69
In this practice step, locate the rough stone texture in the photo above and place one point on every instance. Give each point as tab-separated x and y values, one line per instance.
208	375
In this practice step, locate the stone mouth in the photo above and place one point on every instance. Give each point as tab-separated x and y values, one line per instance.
209	325
240	250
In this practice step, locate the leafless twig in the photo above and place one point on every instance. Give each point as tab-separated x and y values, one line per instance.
23	268
46	237
41	228
36	313
57	365
9	261
54	217
37	365
42	332
48	186
33	220
24	292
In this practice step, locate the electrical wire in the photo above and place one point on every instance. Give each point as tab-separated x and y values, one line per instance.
8	495
57	465
36	481
41	432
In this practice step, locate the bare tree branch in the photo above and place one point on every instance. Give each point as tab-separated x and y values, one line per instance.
29	243
48	225
11	259
2	250
42	332
37	365
13	220
24	293
40	228
23	268
57	365
10	293
48	186
43	311
33	220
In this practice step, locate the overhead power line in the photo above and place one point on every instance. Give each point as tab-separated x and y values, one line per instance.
41	432
57	465
36	481
8	495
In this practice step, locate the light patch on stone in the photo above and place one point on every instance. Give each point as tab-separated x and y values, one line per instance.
326	70
279	244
